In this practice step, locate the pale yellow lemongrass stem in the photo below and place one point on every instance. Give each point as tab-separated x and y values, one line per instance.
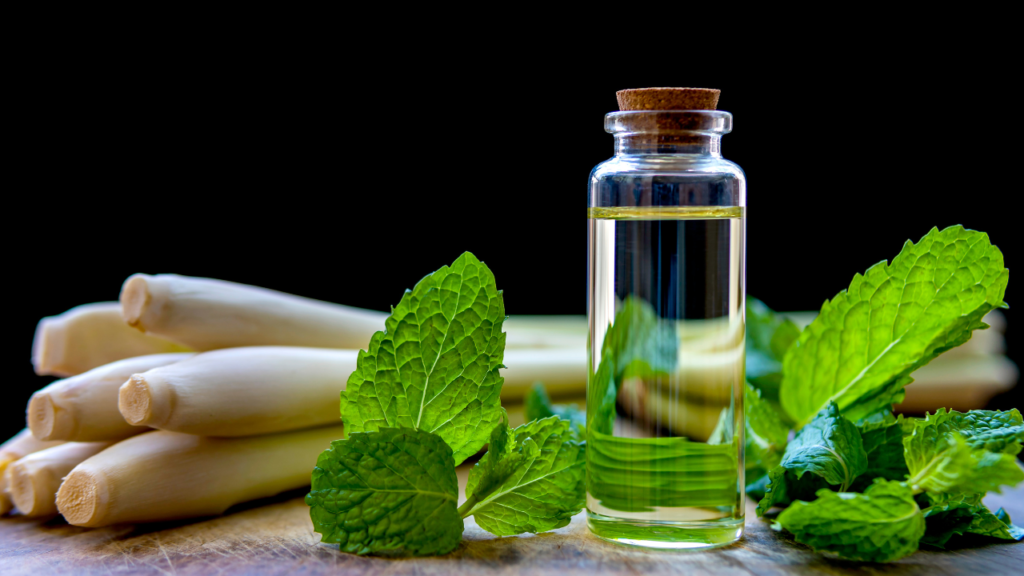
19	446
89	336
562	370
166	475
207	314
546	332
210	314
33	481
83	408
240	391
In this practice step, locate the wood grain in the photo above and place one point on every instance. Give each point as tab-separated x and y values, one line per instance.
275	536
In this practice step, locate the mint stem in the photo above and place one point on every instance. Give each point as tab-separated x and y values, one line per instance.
466	509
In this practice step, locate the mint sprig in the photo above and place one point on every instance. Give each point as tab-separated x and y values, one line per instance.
530	480
423	398
847	369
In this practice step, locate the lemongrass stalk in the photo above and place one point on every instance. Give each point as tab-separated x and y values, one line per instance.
562	370
89	336
83	408
546	332
33	481
240	391
166	475
20	445
207	314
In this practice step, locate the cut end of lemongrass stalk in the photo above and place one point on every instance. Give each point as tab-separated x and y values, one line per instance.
82	497
23	492
46	420
143	402
135	298
48	346
5	501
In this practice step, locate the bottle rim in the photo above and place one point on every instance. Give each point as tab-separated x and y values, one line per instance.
708	122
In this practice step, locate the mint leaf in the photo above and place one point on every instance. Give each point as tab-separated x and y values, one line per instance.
861	349
958	518
952	454
765	437
1015	532
828	452
393	490
435	367
538	405
769	335
992	430
829	447
883	443
881	525
945	465
531	480
985	523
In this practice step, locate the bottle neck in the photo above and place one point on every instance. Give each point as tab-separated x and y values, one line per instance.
689	143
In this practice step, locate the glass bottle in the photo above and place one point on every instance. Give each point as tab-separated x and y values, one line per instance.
666	219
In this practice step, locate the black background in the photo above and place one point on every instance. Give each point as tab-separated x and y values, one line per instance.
344	172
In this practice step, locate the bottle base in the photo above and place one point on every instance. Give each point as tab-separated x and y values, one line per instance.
699	535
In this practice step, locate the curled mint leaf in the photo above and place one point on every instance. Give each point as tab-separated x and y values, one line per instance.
861	349
1015	532
964	517
881	525
828	452
947	467
390	491
435	366
531	479
946	453
883	444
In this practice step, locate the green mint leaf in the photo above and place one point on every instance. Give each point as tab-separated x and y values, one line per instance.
992	430
881	525
883	442
769	335
985	523
942	462
538	405
1015	532
947	520
765	437
861	349
435	367
828	452
532	480
638	344
830	446
391	491
963	517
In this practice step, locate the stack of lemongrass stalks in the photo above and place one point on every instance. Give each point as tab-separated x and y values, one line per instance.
192	395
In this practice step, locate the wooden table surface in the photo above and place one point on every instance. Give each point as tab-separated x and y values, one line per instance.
275	536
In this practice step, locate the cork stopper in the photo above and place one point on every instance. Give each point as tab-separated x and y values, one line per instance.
668	99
